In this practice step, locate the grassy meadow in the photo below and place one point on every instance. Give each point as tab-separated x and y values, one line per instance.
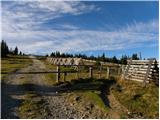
13	63
140	101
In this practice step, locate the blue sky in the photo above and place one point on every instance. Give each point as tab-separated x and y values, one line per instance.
93	28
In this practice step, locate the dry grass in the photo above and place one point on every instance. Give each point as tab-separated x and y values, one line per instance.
141	101
31	107
13	63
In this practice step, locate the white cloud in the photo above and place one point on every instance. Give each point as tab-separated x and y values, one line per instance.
22	20
29	15
83	40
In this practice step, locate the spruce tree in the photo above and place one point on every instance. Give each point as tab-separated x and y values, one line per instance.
20	53
4	49
16	50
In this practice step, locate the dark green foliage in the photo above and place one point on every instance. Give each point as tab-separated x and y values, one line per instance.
4	49
16	51
114	59
135	57
123	60
20	53
103	58
52	54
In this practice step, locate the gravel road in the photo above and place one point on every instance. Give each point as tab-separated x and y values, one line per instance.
56	105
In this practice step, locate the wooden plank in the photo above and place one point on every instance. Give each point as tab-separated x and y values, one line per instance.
134	79
139	80
142	61
127	68
141	66
137	77
147	73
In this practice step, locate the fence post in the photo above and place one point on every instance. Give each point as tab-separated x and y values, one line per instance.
107	72
77	72
90	72
58	73
100	71
147	73
127	69
64	76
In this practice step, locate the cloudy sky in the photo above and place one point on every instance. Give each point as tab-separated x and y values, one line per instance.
115	28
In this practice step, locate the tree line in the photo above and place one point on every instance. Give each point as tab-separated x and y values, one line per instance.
114	59
123	60
6	51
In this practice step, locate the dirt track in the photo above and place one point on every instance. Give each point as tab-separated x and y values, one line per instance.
55	105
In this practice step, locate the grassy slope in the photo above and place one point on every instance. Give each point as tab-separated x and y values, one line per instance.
89	90
14	63
140	101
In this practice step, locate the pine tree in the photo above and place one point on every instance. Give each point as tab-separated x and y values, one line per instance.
123	59
20	53
135	57
103	57
4	49
114	59
16	50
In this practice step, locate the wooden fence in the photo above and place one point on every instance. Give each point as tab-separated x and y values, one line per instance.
93	72
142	70
85	68
138	70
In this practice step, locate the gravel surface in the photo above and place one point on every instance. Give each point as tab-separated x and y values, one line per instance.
56	105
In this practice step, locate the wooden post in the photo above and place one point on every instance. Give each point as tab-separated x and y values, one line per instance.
90	72
100	71
58	74
64	76
77	72
126	70
147	73
107	72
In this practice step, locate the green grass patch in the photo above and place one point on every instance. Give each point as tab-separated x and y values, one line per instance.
89	90
13	63
143	101
50	78
95	98
31	107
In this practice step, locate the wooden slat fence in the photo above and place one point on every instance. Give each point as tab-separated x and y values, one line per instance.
142	70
